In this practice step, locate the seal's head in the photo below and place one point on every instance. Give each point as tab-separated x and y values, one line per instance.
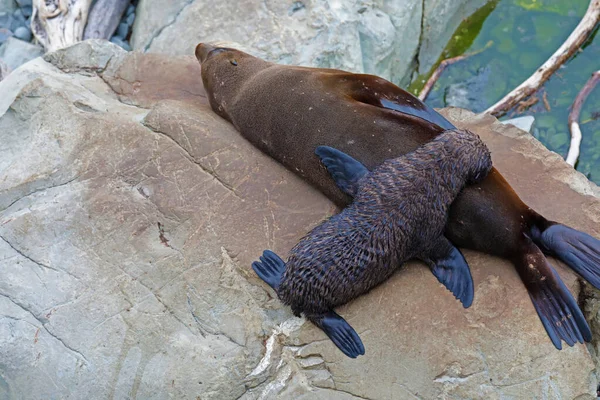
224	72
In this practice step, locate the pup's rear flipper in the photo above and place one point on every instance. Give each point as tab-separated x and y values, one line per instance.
578	250
449	266
340	333
553	302
270	268
345	170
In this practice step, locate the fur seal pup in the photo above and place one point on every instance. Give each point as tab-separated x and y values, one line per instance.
287	111
398	213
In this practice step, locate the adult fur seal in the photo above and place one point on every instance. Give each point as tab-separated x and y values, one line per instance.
398	213
288	111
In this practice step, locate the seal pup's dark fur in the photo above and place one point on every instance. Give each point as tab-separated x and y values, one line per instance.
287	111
398	213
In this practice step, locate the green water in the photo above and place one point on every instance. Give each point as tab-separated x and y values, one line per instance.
509	40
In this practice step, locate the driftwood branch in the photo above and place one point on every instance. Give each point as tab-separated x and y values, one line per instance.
104	18
573	154
59	23
569	47
436	75
443	65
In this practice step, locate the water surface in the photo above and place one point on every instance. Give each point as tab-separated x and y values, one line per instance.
509	39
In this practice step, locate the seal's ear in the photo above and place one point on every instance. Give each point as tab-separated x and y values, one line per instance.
345	170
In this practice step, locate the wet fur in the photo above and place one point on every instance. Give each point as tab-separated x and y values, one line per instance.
399	211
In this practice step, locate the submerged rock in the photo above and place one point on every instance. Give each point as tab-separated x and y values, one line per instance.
130	214
468	94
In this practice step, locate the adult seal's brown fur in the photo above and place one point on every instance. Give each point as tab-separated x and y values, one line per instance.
399	212
288	111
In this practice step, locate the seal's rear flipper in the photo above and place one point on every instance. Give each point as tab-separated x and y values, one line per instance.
578	250
449	266
553	302
345	170
270	268
340	333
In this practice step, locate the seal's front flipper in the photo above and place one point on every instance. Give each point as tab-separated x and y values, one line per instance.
383	94
578	250
553	302
345	170
449	266
340	333
270	268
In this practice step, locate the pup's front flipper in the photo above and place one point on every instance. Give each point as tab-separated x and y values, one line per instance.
340	333
449	266
345	170
270	268
553	302
578	250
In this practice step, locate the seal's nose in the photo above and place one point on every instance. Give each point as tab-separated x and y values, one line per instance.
202	51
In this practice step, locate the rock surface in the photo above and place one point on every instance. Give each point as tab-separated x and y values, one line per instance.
524	123
14	20
4	70
7	6
382	37
440	20
15	52
130	214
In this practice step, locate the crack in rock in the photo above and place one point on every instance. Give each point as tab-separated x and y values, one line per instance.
273	350
38	263
160	30
43	325
283	363
191	159
456	379
204	328
39	190
283	376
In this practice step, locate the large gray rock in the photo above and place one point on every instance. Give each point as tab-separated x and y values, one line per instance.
524	123
381	37
440	20
15	52
4	70
7	6
130	214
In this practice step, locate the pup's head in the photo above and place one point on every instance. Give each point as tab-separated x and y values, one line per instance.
470	153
